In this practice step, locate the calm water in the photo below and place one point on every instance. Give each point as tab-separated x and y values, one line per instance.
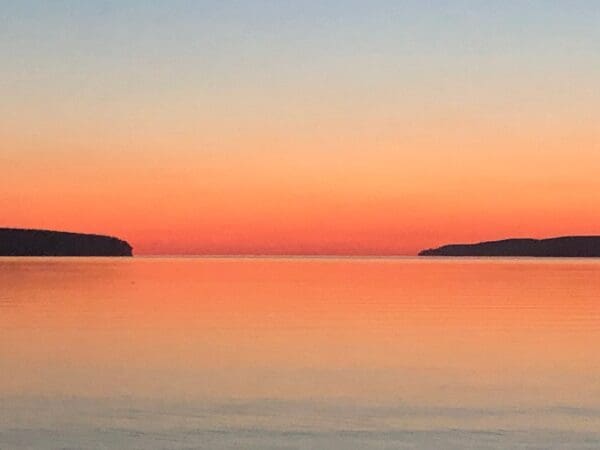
299	353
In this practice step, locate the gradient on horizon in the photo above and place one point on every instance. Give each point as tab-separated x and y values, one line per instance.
323	127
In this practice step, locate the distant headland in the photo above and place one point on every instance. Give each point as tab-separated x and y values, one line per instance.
563	247
23	242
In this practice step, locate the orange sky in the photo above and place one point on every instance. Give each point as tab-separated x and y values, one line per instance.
348	139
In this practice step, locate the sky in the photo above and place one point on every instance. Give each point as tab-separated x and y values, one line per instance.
313	127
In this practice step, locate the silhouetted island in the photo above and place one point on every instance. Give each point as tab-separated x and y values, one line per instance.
563	247
22	242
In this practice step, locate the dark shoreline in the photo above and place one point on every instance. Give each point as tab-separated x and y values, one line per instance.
560	247
31	242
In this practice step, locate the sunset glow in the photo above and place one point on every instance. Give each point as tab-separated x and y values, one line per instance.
311	128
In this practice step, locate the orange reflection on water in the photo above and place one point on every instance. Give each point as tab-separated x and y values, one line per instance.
433	331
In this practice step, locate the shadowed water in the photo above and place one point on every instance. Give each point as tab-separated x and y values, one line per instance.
299	353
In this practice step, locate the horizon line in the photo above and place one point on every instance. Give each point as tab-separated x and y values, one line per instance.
267	255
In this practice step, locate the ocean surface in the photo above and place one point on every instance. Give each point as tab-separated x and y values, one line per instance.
306	353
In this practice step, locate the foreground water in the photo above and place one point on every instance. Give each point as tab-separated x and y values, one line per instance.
299	353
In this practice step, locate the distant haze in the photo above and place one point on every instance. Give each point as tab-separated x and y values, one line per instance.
317	127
